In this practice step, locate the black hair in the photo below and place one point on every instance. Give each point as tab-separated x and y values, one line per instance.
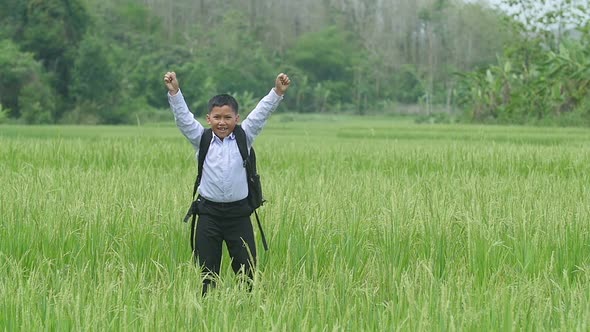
222	100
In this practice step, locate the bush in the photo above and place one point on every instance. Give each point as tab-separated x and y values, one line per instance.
80	115
37	103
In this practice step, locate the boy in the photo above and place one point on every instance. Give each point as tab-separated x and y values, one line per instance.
223	210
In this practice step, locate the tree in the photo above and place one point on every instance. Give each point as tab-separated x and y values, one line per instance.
328	56
532	82
24	85
52	30
96	81
11	18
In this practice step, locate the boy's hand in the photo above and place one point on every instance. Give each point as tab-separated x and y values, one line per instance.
281	84
171	82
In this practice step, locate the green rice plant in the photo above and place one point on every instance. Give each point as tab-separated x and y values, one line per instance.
372	224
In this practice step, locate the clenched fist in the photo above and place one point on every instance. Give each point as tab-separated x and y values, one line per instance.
282	84
171	82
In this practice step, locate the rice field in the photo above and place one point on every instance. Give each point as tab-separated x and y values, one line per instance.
374	224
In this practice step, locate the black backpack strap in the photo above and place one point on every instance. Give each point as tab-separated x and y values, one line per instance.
250	165
242	143
203	149
249	157
262	237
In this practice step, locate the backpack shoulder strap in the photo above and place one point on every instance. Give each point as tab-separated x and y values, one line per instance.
242	142
251	172
203	149
249	157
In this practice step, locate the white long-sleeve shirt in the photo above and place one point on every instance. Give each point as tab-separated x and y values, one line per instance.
224	175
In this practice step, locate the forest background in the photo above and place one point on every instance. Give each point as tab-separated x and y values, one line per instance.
102	61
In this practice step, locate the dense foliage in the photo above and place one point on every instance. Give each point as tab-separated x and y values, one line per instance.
543	77
91	61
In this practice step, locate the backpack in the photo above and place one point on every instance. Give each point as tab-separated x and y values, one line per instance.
255	198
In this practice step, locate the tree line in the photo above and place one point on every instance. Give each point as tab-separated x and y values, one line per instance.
102	61
543	76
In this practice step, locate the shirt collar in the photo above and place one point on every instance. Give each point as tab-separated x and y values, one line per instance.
231	136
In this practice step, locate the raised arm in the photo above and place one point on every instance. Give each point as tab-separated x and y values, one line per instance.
256	120
185	120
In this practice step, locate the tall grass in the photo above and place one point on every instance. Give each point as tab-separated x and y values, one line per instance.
372	225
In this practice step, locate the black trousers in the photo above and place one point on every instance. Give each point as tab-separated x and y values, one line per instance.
219	222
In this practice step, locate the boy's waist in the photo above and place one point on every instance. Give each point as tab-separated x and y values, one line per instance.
224	204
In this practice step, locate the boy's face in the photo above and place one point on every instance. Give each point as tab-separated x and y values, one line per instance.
222	120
